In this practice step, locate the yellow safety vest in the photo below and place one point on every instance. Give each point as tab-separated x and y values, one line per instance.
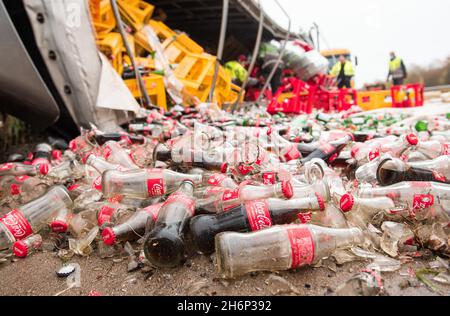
395	68
236	70
349	71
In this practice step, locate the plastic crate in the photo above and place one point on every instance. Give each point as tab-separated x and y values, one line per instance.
155	88
372	100
411	95
135	13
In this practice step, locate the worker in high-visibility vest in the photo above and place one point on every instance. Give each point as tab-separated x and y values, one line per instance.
397	70
344	71
237	70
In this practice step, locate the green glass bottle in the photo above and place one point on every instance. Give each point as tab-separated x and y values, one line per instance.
422	126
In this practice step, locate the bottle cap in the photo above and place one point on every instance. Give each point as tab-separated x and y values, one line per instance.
321	201
43	169
73	187
292	154
287	189
347	202
412	139
244	170
59	226
73	145
109	237
65	271
224	168
85	158
20	249
56	154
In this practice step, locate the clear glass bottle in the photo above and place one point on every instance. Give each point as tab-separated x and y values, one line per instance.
280	248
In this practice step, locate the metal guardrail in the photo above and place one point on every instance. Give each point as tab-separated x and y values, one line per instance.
438	88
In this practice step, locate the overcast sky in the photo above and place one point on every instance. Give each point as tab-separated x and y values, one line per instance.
418	30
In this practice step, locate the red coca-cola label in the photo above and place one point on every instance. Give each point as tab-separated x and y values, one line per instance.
230	195
304	218
302	246
258	215
17	224
153	210
374	154
155	187
245	170
326	148
446	149
6	166
216	179
105	214
107	151
422	201
184	199
439	176
73	187
269	178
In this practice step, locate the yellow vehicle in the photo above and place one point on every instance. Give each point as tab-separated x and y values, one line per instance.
367	100
332	55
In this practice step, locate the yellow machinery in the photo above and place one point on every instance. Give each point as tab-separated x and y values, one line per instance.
193	67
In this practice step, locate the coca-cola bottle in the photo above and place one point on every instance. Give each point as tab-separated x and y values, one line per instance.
60	224
164	246
42	155
114	153
20	169
328	151
23	248
360	211
27	188
393	171
31	217
417	197
144	183
432	149
66	170
83	143
111	211
218	199
398	147
309	190
250	216
221	180
284	149
132	228
100	164
279	248
367	173
102	138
